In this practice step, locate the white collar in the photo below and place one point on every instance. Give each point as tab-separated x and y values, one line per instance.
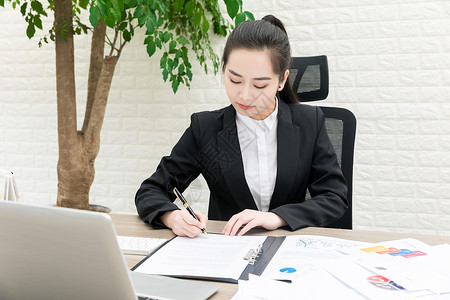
269	121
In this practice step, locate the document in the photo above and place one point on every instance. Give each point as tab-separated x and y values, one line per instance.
400	269
213	256
300	255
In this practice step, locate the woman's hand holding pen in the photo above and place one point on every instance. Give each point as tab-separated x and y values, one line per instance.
183	224
251	219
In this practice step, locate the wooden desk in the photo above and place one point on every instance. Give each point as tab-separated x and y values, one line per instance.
132	225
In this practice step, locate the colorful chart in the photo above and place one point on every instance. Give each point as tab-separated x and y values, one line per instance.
393	251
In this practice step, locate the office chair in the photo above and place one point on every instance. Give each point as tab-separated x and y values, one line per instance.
309	79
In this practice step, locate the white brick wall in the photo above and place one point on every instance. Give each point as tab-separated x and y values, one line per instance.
389	63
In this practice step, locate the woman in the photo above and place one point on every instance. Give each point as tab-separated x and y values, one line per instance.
259	155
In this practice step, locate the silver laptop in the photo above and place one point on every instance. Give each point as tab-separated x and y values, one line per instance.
59	253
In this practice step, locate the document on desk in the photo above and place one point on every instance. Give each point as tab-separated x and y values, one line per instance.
301	255
406	268
214	257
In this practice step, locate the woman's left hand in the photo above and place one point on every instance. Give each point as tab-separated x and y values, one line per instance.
252	218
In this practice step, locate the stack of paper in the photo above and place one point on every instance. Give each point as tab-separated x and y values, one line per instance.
321	267
8	187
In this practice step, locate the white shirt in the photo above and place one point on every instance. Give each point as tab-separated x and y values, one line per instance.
258	142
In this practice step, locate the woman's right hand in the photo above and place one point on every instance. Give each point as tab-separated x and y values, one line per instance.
183	224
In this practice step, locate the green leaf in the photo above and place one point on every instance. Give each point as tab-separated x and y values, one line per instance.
110	20
232	8
37	6
162	6
163	60
2	3
140	11
37	21
166	36
30	30
83	3
172	26
172	45
23	8
178	54
148	40
205	25
175	84
165	74
150	27
181	69
178	5
118	5
239	18
126	35
197	18
182	40
122	26
151	48
158	43
169	64
161	21
142	20
189	7
94	16
102	7
116	14
152	17
249	15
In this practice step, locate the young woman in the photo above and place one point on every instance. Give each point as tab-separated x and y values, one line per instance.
259	155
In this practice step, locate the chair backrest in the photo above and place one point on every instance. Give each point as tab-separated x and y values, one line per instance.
341	128
309	79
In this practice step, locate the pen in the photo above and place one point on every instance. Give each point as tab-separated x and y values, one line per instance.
187	206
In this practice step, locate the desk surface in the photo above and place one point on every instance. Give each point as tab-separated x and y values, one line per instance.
132	225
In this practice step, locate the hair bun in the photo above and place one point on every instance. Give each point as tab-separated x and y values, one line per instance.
274	21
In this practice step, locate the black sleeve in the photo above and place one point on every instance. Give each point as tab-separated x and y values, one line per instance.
326	185
155	195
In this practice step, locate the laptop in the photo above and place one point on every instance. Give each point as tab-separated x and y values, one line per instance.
61	253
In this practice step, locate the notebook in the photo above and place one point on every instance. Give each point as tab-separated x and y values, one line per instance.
139	245
60	253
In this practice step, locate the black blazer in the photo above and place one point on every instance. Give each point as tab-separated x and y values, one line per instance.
210	146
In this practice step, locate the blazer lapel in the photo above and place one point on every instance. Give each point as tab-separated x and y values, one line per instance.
288	145
231	163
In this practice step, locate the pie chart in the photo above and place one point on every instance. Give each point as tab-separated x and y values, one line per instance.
288	270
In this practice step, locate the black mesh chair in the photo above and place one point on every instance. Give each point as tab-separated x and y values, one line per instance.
309	79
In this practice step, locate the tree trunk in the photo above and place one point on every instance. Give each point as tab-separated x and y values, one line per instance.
79	149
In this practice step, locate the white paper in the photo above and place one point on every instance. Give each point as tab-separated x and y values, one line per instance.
258	288
407	264
300	255
213	255
367	283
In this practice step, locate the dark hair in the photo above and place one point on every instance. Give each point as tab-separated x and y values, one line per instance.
266	34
